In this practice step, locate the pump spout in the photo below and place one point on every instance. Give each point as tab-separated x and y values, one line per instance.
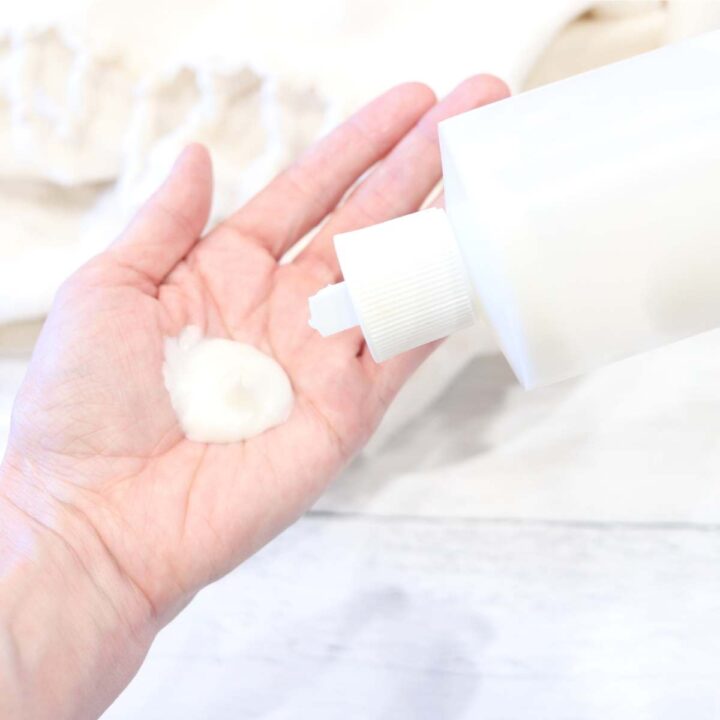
331	310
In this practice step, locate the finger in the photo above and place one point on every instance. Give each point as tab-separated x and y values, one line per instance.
171	221
389	376
300	197
439	201
403	180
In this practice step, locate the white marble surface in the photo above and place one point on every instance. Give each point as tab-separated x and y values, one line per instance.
356	617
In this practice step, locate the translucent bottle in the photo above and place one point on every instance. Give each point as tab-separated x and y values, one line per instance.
582	222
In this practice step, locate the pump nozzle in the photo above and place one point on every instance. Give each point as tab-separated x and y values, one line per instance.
331	310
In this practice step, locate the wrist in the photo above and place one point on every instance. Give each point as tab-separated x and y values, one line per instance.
73	630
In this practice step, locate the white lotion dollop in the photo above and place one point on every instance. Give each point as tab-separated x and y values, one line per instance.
224	391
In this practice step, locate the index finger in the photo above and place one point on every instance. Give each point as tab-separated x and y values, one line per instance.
300	197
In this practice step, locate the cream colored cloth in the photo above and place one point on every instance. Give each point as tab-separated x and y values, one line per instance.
638	441
96	104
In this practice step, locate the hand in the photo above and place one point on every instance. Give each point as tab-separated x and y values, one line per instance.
94	437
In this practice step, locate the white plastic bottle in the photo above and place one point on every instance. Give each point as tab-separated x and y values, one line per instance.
582	221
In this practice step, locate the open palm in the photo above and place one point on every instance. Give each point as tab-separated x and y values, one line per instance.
93	421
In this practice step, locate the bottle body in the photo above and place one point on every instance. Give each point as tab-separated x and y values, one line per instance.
584	223
587	211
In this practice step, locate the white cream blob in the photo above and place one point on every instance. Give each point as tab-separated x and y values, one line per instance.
224	391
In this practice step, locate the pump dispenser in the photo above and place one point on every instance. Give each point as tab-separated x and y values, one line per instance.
582	222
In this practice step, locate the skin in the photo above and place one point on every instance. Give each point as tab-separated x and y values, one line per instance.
111	520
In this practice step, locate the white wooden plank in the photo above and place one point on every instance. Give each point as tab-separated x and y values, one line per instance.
372	618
